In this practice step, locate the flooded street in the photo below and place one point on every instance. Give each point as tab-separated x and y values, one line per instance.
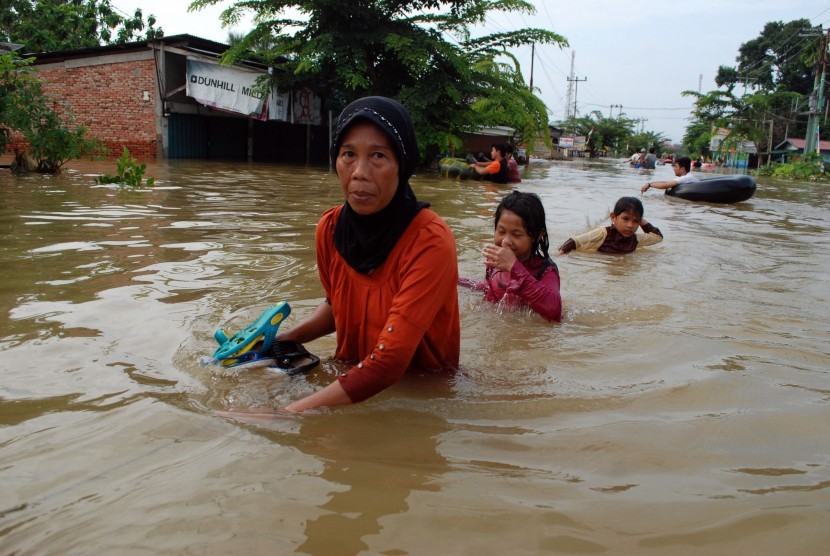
681	407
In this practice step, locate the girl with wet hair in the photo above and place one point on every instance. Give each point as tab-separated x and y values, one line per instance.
519	271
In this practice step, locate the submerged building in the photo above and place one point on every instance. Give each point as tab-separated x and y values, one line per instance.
171	98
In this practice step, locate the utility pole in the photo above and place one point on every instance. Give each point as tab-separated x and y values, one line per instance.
532	57
744	79
811	141
576	81
636	122
570	89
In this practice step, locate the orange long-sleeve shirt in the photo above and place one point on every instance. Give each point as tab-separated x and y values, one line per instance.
403	314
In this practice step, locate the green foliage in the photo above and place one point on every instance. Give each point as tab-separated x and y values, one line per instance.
780	58
761	96
616	135
696	139
52	138
128	172
53	141
49	25
419	52
647	140
17	86
806	168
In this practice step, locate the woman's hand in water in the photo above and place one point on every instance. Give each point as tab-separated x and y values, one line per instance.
255	415
499	257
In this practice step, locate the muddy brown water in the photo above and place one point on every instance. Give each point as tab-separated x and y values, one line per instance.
681	407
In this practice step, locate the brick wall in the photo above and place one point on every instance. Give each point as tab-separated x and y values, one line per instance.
108	99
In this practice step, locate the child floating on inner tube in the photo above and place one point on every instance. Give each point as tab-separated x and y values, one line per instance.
621	236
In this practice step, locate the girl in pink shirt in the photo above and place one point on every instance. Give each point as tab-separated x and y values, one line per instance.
519	270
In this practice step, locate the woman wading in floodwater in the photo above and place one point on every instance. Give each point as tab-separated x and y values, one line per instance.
387	263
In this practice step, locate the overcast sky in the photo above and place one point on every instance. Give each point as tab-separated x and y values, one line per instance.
639	54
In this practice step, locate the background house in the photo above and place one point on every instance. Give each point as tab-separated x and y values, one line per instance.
482	140
539	149
147	96
790	147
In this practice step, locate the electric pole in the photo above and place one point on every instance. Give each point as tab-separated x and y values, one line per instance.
811	141
570	89
744	79
576	81
532	57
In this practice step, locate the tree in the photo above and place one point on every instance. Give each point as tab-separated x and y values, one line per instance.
647	140
777	67
50	25
508	101
696	139
617	134
24	108
420	52
715	109
780	58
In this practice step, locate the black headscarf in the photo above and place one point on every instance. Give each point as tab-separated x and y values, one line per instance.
365	241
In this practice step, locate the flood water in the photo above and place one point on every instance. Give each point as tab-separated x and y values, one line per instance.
681	407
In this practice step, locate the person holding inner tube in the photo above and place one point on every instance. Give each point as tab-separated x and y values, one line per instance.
496	171
387	263
682	169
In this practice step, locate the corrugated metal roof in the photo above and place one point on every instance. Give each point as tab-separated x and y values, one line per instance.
799	144
185	42
174	40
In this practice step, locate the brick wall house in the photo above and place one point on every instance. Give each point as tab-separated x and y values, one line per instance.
135	95
113	95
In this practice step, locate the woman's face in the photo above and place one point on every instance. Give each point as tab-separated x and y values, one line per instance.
367	168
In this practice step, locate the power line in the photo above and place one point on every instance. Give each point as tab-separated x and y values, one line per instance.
638	108
821	12
782	44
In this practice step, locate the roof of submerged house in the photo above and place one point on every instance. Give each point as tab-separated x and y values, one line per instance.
189	41
799	144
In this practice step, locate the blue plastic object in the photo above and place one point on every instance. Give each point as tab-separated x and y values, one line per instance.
253	342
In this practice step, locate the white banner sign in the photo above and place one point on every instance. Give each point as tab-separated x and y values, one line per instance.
747	147
226	88
278	105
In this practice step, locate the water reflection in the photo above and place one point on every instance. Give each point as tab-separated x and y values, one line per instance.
369	487
684	394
